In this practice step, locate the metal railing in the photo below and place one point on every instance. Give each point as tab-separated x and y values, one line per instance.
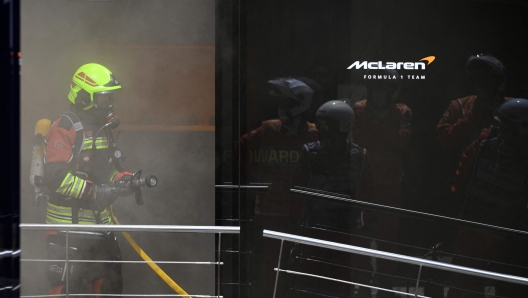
316	194
244	188
71	228
382	255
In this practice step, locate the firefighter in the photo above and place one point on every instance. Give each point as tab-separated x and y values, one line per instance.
464	118
269	154
84	178
461	123
333	164
382	126
491	181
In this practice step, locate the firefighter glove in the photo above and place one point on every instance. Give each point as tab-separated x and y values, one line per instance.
105	195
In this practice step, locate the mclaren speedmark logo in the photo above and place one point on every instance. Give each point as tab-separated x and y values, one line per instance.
393	65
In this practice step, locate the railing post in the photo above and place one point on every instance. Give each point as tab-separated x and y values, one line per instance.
66	267
418	282
278	269
218	260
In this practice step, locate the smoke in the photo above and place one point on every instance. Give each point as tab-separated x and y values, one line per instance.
162	52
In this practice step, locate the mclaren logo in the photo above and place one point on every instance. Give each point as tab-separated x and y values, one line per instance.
392	65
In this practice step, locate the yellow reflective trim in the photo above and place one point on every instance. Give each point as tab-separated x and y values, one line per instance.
62	210
100	143
72	187
107	216
68	222
57	207
78	187
105	146
67	179
67	213
112	175
83	214
65	186
53	220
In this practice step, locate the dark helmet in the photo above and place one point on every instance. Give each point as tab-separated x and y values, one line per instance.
385	79
339	111
486	68
297	90
514	114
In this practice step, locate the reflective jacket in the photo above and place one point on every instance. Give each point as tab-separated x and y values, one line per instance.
70	174
494	182
268	155
461	123
386	139
347	172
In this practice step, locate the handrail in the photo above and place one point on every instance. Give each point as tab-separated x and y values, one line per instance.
395	257
344	199
236	187
9	253
133	228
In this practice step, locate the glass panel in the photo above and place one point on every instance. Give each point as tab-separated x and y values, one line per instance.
162	54
393	69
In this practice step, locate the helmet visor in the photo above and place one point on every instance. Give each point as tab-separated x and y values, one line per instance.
103	100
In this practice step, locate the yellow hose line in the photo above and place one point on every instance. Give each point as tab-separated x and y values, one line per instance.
152	265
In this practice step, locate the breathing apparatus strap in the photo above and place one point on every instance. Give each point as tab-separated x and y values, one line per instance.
76	151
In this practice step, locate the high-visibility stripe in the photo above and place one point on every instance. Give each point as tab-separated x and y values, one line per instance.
71	186
59	217
67	220
112	175
71	191
77	185
66	184
58	208
52	220
106	217
100	143
66	215
63	214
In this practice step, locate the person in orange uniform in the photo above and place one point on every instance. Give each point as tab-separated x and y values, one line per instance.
464	118
269	154
382	127
337	165
84	178
491	182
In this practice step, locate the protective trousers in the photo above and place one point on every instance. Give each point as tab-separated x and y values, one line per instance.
104	278
492	253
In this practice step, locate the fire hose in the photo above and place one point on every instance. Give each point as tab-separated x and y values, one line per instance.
171	283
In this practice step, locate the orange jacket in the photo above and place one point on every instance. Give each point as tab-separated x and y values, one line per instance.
268	155
466	164
386	140
461	123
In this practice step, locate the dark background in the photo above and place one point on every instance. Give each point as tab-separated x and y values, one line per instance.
162	52
294	37
9	115
261	40
300	37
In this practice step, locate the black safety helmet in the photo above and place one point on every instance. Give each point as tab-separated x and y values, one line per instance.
513	114
485	67
385	79
297	90
340	112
